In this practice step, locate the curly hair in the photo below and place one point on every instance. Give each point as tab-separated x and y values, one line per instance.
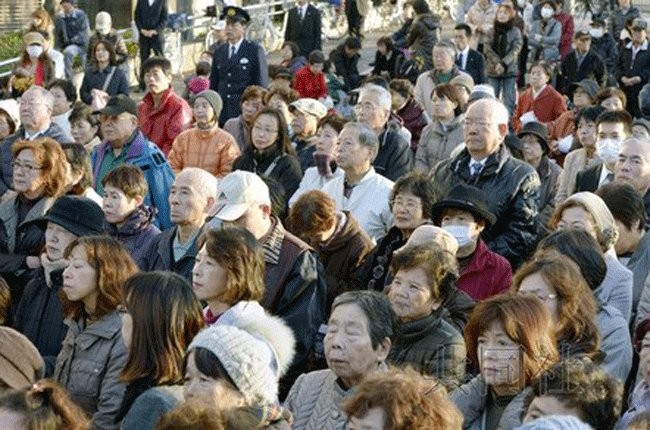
409	401
51	160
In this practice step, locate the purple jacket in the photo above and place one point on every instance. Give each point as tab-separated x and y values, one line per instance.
136	233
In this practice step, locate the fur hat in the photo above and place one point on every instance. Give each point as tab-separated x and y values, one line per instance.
556	422
254	348
20	362
605	225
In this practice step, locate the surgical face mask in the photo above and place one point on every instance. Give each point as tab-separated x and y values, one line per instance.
547	12
460	233
596	32
34	51
608	149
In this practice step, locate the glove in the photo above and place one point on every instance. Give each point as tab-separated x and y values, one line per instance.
528	117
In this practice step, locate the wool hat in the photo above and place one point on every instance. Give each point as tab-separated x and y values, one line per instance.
536	129
556	422
253	347
283	73
309	106
588	85
237	192
10	106
20	362
605	225
464	80
639	121
33	38
78	215
213	98
467	198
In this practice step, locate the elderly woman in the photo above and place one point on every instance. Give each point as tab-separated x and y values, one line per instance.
445	132
422	277
103	78
510	340
252	101
358	339
39	177
589	212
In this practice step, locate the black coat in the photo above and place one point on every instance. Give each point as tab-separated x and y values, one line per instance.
152	17
231	76
389	65
346	67
160	255
512	189
628	68
589	178
304	32
394	157
592	67
607	48
95	79
474	66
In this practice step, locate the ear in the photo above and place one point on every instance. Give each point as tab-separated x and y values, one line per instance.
209	205
266	210
138	200
503	130
383	349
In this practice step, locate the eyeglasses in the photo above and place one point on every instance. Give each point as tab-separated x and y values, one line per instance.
24	167
365	106
410	205
264	130
543	297
468	122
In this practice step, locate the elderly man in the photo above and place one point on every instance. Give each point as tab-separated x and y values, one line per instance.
295	288
444	70
190	198
36	108
511	185
633	166
361	191
393	157
72	34
306	114
125	144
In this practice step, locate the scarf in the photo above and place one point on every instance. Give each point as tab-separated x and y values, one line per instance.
500	40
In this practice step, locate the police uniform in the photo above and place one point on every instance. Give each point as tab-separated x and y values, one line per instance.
231	76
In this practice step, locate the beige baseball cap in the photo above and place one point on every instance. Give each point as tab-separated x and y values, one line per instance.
237	192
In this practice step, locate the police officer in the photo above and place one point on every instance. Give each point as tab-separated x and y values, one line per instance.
236	64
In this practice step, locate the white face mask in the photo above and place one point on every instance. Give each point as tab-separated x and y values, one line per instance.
547	12
608	149
596	32
34	51
460	233
565	143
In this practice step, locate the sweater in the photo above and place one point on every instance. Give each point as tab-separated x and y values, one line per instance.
309	84
547	106
213	150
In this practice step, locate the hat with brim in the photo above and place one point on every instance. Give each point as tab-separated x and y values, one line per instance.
235	14
309	106
119	104
79	215
538	130
588	85
237	192
465	198
33	38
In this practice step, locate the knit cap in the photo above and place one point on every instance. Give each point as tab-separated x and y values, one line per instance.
213	98
20	362
607	233
558	422
253	347
198	84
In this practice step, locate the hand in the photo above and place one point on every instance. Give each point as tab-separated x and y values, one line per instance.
499	69
96	92
153	33
528	117
33	262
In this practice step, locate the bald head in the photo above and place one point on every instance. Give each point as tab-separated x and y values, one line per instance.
432	235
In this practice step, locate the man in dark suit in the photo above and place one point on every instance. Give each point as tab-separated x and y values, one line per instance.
469	60
581	63
634	66
236	64
304	27
151	19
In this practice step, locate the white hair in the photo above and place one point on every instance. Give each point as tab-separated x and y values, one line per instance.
498	110
204	182
46	97
383	95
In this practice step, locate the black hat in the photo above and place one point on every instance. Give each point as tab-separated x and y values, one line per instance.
589	85
467	198
536	129
119	104
639	24
235	14
78	215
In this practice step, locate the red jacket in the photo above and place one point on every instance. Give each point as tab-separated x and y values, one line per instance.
161	125
486	275
309	84
548	106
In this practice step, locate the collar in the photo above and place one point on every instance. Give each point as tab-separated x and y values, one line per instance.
537	93
643	47
465	51
32	136
127	144
236	45
166	95
272	242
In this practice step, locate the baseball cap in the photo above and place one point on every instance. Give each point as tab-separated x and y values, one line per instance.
119	104
310	106
33	38
237	192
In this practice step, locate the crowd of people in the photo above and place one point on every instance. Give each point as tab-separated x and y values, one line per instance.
455	241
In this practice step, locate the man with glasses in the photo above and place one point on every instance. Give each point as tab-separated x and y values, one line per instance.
36	107
124	143
511	186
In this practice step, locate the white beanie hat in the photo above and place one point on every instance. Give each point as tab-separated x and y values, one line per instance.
557	422
605	225
253	347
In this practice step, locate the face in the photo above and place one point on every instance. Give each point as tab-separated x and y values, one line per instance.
536	285
118	206
442	107
396	101
61	103
407	210
532	149
442	60
482	134
80	279
612	103
234	31
304	124
209	279
34	115
252	219
57	240
611	130
374	419
67	7
382	49
250	107
27	174
370	112
633	164
157	80
628	239
583	44
459	217
587	133
328	140
638	131
101	53
5	130
410	295
187	205
316	68
538	77
350	152
82	131
348	348
638	36
503	15
460	39
500	358
265	131
580	98
203	112
207	391
117	129
546	406
577	217
644	356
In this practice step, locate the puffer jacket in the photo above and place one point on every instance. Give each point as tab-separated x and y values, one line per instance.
548	48
394	155
89	366
162	124
137	232
437	143
470	399
422	36
431	346
513	190
510	61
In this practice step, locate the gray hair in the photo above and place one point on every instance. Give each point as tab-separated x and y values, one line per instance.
382	321
204	182
447	46
383	95
499	112
367	136
46	97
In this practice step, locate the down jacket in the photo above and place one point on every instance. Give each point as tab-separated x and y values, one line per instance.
437	143
136	234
